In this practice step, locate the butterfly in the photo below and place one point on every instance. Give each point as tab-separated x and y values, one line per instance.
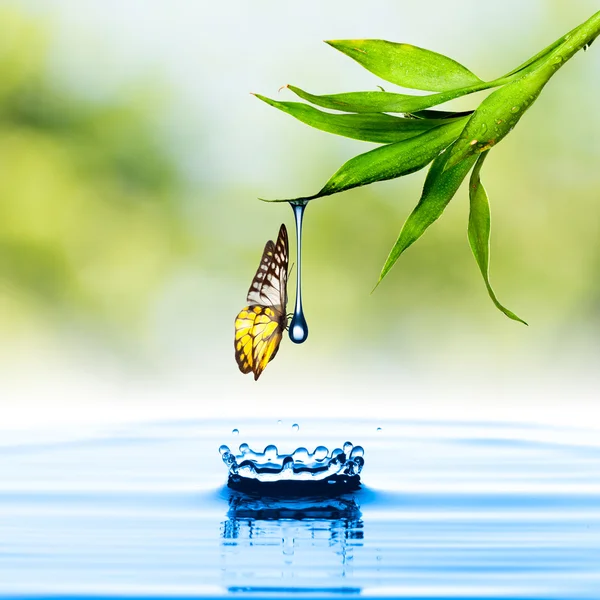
259	326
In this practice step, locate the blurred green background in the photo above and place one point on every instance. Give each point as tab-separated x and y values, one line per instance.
131	159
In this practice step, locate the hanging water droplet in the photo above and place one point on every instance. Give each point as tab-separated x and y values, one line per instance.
295	427
244	448
348	448
235	431
298	330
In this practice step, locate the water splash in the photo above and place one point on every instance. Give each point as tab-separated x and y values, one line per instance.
298	326
251	470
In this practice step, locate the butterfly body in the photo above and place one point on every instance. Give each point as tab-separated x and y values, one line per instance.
259	326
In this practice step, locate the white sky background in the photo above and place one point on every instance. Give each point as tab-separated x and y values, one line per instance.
211	54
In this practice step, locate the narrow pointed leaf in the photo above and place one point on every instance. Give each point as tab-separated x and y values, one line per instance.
369	102
407	66
370	127
479	232
542	55
388	162
439	188
498	114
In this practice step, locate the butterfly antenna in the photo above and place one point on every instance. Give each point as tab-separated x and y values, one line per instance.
291	269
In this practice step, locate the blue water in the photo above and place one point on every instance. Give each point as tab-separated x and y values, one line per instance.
447	510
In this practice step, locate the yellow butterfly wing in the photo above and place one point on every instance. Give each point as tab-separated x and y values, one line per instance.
268	331
244	339
259	326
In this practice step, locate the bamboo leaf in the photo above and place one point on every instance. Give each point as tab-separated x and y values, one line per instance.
370	127
498	114
542	55
389	162
375	102
440	186
479	232
407	66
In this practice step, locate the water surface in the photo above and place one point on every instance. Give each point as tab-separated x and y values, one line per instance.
446	510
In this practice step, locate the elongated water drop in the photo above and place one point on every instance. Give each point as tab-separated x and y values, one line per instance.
298	326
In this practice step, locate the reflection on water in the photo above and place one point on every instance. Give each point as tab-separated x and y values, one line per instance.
281	537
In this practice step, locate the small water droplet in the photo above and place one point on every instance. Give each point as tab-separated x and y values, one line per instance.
295	427
279	422
300	455
483	128
357	451
235	431
320	453
223	449
499	121
244	448
514	109
298	330
270	452
378	429
337	452
473	142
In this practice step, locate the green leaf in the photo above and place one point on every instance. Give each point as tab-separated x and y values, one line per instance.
374	102
479	232
439	188
407	66
388	162
369	127
498	114
539	58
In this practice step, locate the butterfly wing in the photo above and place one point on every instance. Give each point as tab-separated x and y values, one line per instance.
244	339
267	333
269	286
259	326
